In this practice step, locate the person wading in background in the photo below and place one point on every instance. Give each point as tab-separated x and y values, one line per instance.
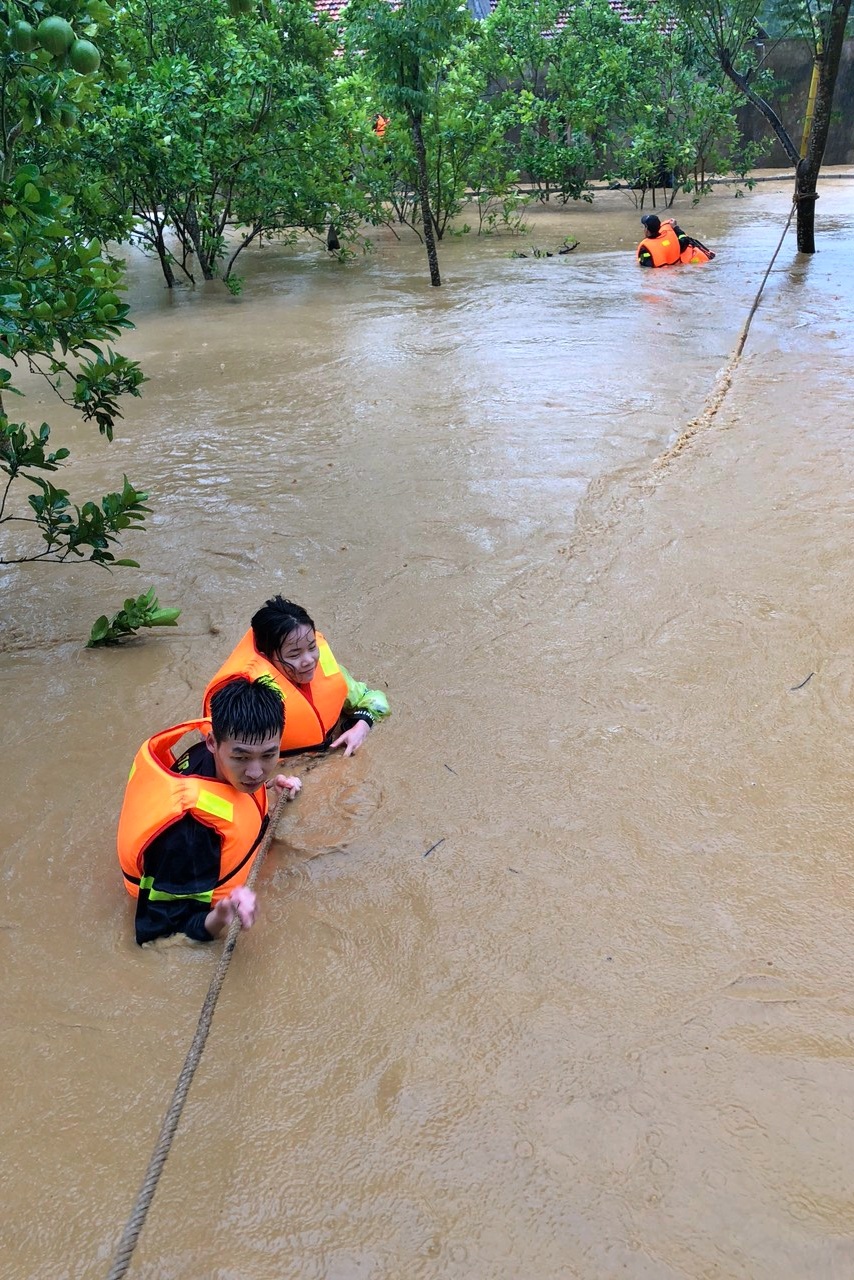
666	244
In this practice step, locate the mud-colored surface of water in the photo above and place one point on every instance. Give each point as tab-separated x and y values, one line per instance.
606	1028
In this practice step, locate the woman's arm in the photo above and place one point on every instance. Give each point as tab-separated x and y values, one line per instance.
361	698
363	706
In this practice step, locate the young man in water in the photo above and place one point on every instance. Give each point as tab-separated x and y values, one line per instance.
190	826
666	244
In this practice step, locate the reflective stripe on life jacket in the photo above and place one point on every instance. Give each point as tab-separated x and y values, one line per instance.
664	249
155	798
308	722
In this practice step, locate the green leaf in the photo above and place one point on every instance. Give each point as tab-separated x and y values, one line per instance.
99	632
140	612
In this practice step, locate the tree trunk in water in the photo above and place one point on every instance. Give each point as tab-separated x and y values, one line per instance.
424	196
806	170
810	166
163	255
191	222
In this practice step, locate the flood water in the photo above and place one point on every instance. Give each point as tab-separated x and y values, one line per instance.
606	1027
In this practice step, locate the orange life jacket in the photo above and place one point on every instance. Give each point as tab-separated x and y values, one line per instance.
307	723
155	798
664	249
692	253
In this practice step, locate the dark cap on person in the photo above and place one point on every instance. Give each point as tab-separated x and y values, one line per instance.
652	222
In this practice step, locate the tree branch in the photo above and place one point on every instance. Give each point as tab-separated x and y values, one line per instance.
763	107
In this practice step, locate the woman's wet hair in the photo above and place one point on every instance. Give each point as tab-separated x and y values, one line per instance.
272	625
247	710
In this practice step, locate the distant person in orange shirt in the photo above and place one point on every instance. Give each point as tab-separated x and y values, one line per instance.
380	125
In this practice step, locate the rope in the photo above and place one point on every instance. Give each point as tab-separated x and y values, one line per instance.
135	1222
718	395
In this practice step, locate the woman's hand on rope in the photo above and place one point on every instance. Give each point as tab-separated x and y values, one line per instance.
241	901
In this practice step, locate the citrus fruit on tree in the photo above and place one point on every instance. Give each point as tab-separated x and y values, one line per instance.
55	35
84	57
22	36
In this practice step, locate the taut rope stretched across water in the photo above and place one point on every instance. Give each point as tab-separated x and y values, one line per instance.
134	1225
724	382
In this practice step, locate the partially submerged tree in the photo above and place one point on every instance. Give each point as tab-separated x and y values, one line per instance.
676	122
467	158
531	63
223	124
59	291
727	30
407	50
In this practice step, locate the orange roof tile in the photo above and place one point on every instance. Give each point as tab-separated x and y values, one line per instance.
332	9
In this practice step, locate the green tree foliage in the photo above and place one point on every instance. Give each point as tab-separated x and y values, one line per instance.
588	93
144	611
467	158
527	58
408	52
677	123
727	30
60	295
223	121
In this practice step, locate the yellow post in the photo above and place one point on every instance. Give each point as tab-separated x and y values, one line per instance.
816	68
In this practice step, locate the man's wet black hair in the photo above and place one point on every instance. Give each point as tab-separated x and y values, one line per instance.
272	625
248	710
652	222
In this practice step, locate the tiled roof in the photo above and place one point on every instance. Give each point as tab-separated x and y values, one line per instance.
627	12
333	8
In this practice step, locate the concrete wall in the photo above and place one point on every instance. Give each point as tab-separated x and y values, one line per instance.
792	67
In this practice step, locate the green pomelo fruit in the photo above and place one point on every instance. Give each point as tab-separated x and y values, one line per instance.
56	35
22	36
84	57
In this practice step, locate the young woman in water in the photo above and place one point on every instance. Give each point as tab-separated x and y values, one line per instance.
325	708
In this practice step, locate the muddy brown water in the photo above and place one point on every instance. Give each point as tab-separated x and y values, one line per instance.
606	1028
